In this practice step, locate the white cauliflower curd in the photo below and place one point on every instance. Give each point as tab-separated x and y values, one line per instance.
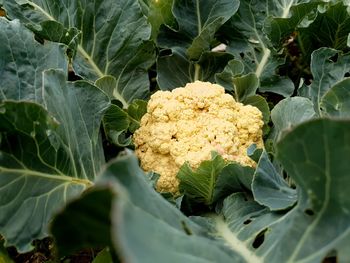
188	123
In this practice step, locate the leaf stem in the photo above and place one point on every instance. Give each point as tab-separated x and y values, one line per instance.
263	62
199	22
197	69
63	178
287	9
119	97
234	243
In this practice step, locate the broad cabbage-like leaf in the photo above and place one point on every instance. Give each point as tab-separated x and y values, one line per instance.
137	212
190	44
198	20
23	60
112	42
336	102
246	231
318	224
157	13
47	155
328	66
246	38
300	14
330	28
176	70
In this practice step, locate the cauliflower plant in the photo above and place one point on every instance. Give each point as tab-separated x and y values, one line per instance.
188	123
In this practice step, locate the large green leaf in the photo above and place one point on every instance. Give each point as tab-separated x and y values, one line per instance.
112	38
310	155
318	224
190	45
47	155
23	60
138	212
198	20
157	13
176	70
246	38
93	219
301	14
330	28
56	32
328	66
247	231
336	102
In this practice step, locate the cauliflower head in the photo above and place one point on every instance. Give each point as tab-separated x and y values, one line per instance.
187	124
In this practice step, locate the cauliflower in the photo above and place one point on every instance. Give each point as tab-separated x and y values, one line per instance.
187	124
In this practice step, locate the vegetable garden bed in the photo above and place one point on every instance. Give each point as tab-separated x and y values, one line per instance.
76	78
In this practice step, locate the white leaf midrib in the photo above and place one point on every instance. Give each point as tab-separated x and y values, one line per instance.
234	243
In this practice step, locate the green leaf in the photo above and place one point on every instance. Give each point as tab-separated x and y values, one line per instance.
176	71
198	21
269	188
232	79
233	68
116	122
78	107
112	38
330	28
23	60
290	112
336	102
107	84
247	232
310	155
328	66
318	224
157	13
245	35
91	215
233	178
190	45
56	32
47	156
138	212
136	110
199	184
33	172
213	179
301	14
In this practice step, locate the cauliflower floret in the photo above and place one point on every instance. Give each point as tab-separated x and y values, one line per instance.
188	123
